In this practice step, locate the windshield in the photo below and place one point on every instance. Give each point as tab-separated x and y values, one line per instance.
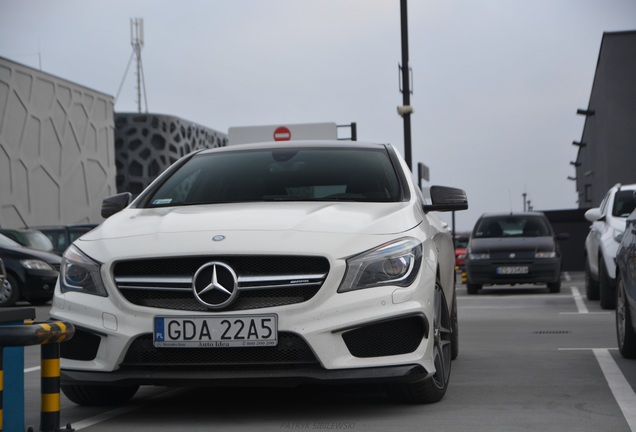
624	203
286	174
512	226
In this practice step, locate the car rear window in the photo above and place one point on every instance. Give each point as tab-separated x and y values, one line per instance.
512	226
286	174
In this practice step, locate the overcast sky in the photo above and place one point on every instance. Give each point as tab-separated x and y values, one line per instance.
496	82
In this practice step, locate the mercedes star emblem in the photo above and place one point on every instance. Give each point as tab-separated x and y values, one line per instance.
215	285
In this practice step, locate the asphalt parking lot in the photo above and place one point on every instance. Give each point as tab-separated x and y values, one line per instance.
528	361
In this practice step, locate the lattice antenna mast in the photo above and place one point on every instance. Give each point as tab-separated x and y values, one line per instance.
137	41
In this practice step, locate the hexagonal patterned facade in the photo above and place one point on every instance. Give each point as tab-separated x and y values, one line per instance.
146	144
57	159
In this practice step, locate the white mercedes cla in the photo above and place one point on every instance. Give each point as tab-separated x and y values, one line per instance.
274	264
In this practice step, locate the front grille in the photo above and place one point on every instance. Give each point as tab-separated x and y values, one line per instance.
387	338
82	346
517	255
263	281
291	350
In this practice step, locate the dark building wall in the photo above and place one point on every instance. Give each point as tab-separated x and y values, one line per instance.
146	144
607	153
572	222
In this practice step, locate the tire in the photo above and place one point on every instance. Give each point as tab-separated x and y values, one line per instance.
9	291
454	329
472	288
591	286
607	292
624	322
97	395
555	287
432	389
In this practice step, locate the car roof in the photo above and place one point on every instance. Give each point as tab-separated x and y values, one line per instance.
296	144
502	214
22	230
78	225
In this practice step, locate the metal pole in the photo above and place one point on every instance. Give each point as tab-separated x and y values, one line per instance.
50	387
406	89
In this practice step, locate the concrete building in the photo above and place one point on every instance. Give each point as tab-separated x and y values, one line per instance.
57	159
607	149
63	149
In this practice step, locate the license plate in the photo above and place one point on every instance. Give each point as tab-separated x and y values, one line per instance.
216	332
512	270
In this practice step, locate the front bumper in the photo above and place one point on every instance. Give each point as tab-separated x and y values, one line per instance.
39	285
253	377
539	271
382	333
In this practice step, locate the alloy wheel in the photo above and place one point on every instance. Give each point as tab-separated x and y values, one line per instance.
442	340
6	290
621	305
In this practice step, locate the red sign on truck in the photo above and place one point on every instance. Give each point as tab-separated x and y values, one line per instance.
277	132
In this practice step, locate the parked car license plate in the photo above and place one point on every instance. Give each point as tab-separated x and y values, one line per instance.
506	270
216	332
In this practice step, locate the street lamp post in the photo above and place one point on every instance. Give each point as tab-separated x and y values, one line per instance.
405	110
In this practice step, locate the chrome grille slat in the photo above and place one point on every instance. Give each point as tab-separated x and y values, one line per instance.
263	281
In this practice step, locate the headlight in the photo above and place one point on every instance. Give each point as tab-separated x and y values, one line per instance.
80	273
34	264
545	254
479	256
393	263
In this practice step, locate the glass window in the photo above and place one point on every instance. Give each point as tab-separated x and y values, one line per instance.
512	226
286	174
624	203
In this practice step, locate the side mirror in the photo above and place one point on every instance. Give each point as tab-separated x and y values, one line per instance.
593	214
444	198
115	203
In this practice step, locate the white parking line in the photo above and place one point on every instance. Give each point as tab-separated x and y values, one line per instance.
32	369
580	304
622	391
82	424
91	421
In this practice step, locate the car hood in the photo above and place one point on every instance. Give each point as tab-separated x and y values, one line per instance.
493	245
247	228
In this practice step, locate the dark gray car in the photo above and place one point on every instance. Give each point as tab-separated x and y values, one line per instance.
513	248
626	290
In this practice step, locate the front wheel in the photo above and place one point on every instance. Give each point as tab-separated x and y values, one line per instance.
472	288
591	286
624	322
432	389
606	289
554	287
9	291
454	329
96	395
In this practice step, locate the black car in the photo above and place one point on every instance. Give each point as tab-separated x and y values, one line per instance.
626	290
31	274
513	248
